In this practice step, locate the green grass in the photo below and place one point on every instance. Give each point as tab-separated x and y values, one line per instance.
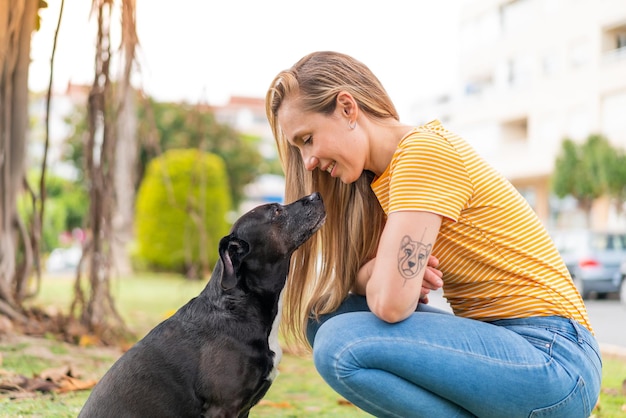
144	301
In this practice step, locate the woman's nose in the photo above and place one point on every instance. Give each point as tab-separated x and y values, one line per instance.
310	162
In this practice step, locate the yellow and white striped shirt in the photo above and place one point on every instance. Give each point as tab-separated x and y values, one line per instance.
497	258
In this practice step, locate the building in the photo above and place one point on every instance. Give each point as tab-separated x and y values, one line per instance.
62	106
532	72
247	115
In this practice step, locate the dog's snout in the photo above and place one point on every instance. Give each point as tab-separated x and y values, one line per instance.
313	197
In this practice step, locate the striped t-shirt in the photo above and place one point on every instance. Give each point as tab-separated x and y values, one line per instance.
497	258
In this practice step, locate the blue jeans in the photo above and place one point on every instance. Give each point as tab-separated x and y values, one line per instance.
434	364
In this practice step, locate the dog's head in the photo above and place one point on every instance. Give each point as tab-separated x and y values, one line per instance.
262	240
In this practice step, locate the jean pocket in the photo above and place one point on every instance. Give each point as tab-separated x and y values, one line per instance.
542	341
574	405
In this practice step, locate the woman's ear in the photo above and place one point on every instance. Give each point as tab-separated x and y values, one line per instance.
347	105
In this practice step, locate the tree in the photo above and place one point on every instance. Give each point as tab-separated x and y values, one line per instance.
616	167
165	126
97	312
17	22
126	156
174	126
581	171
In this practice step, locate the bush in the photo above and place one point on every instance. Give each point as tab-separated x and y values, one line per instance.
67	203
181	211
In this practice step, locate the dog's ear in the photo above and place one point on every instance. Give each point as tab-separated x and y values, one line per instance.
232	251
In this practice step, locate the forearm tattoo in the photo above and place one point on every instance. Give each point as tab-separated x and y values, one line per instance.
412	257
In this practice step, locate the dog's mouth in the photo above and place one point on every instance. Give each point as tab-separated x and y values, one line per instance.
309	232
320	222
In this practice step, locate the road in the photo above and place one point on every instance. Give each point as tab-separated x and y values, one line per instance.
608	318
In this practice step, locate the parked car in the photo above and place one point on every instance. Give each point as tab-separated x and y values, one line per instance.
63	259
593	259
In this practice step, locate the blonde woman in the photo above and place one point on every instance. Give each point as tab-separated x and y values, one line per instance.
519	343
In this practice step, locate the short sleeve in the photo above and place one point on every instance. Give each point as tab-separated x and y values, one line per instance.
427	173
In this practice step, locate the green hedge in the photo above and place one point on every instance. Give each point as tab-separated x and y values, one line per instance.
184	192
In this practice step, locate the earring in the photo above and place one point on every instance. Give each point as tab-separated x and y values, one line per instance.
351	126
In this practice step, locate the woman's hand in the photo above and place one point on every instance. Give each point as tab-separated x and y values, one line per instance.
363	276
432	278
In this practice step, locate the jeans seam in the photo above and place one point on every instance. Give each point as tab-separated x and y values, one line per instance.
440	347
356	395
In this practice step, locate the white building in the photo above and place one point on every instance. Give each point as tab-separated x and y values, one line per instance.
62	105
247	115
532	72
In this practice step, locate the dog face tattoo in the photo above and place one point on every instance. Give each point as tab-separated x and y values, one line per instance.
412	257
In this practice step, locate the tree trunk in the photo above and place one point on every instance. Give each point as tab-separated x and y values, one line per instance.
17	20
126	150
125	175
99	314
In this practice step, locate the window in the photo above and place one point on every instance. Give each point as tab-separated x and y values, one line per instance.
515	130
478	85
519	71
614	38
614	41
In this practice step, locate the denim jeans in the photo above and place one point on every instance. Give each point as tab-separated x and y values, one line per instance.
434	364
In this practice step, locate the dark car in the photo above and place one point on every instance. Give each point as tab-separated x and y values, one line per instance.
593	259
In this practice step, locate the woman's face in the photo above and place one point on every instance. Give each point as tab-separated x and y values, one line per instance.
325	142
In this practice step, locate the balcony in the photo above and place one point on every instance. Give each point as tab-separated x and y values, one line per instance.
614	43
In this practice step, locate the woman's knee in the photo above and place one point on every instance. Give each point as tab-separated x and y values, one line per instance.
331	340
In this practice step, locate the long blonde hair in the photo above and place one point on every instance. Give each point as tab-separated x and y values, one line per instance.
324	269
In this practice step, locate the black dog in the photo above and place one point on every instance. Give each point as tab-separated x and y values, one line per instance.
218	355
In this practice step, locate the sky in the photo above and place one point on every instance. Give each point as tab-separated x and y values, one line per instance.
208	50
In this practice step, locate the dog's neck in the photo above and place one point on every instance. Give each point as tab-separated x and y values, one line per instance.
246	298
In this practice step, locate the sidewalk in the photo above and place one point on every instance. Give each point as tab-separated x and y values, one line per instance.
614	351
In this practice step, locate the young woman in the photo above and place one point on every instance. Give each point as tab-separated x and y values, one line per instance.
519	343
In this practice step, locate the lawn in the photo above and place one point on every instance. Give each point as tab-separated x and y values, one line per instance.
146	300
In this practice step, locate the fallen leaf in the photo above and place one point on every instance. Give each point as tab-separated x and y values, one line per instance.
56	374
89	340
58	380
11	382
71	384
37	384
272	404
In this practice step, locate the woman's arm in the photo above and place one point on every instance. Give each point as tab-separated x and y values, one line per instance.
395	284
432	278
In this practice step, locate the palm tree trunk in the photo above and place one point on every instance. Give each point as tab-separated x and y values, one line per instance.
17	20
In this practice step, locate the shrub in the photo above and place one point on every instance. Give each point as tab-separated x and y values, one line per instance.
181	211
